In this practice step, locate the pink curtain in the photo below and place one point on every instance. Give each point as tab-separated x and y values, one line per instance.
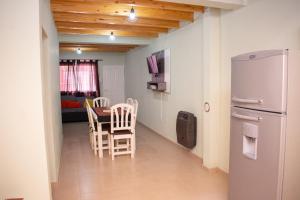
79	77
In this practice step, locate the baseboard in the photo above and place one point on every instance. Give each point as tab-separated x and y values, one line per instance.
215	170
210	170
169	140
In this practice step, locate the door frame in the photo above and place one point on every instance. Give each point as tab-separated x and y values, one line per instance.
102	68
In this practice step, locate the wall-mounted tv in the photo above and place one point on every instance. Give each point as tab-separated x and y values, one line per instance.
156	63
152	64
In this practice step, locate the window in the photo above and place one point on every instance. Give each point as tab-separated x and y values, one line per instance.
78	76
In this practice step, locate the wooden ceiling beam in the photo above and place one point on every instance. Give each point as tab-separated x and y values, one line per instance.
119	10
87	49
117	20
149	4
96	47
111	27
107	32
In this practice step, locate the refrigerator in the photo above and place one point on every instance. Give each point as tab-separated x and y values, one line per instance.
265	126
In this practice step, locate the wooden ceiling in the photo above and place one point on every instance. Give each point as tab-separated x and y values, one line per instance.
96	47
101	17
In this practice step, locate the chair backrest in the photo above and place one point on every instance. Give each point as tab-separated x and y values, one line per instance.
87	105
129	101
101	102
122	117
135	107
92	117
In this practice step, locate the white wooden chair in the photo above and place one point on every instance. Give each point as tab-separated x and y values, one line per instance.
100	138
129	101
101	102
135	110
122	128
90	120
135	107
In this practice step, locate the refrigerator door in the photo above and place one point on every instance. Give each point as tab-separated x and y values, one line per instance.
256	155
259	80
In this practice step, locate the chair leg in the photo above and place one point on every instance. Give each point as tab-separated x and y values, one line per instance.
91	140
100	145
117	144
95	143
134	142
109	144
132	149
112	147
90	137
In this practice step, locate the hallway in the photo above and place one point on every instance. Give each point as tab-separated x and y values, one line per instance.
160	170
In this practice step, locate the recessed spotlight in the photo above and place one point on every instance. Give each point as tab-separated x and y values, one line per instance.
132	15
78	51
112	36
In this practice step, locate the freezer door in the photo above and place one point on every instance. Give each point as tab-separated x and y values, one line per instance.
256	155
259	80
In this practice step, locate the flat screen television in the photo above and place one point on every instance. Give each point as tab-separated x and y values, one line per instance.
156	63
152	65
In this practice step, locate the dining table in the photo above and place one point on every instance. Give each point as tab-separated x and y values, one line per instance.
103	114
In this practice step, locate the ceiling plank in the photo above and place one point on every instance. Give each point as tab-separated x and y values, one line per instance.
96	47
101	26
93	49
150	4
64	44
119	10
109	19
98	39
107	32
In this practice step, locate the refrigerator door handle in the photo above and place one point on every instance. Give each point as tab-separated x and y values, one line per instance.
251	101
246	117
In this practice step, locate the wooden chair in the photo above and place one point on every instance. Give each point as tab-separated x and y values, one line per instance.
100	139
129	101
135	110
122	128
101	102
135	107
90	121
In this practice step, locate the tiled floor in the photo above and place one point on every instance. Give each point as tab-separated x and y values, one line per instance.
160	170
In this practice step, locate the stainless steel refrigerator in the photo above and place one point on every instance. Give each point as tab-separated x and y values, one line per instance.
265	126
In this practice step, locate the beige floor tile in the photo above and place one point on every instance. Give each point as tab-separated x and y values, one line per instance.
160	170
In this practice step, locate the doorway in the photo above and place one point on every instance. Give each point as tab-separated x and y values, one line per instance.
113	83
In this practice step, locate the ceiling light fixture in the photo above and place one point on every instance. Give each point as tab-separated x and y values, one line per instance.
78	51
112	36
132	15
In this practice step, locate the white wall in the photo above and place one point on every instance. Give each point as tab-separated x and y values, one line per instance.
23	171
262	24
159	110
108	59
50	70
211	86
